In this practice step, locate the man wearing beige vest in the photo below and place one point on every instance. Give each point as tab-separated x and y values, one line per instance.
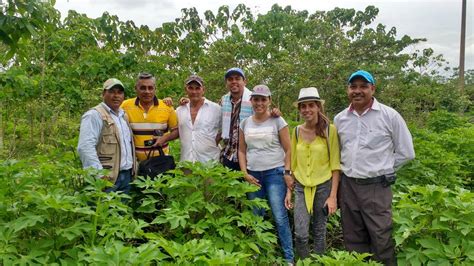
105	138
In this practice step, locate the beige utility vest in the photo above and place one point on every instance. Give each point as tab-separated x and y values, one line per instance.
108	147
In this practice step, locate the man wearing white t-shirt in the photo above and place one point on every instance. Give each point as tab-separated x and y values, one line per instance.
199	124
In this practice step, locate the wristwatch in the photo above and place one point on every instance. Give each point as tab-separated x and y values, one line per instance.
287	172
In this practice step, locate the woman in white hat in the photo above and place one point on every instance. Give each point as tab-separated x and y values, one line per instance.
315	162
264	154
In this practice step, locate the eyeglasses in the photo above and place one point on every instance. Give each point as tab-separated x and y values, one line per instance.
145	75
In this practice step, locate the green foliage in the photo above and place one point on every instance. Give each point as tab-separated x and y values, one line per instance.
440	121
433	226
416	95
335	258
460	141
433	163
214	209
22	19
443	159
67	61
334	232
52	211
44	216
433	209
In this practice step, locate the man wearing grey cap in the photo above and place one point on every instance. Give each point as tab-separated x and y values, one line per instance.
199	124
375	142
105	138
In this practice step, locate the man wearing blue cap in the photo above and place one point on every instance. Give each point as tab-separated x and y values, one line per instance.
375	142
236	107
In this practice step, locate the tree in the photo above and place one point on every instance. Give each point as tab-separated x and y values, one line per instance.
285	48
22	19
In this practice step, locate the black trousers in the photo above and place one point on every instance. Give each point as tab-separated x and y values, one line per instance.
366	211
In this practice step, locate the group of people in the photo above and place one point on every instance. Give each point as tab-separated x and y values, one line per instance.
348	165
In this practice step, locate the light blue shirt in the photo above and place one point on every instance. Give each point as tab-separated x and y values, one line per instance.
91	126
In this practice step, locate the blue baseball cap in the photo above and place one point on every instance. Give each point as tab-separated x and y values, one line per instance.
363	74
234	70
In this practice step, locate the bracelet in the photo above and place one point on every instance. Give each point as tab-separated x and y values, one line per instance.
288	172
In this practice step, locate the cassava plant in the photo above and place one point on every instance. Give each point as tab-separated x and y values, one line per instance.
206	203
433	226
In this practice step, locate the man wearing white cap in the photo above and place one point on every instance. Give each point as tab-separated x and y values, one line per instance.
375	142
105	138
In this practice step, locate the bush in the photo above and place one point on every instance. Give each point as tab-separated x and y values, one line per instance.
443	159
441	120
44	218
54	212
336	258
460	141
433	164
433	225
208	205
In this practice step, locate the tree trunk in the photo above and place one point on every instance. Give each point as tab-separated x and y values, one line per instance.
1	127
32	121
42	109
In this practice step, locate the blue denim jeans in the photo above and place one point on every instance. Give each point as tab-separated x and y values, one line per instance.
122	183
273	188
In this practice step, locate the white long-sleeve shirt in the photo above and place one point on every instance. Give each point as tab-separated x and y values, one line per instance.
375	143
198	140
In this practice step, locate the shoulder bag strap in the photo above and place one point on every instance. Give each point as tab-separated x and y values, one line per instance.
160	150
297	133
327	142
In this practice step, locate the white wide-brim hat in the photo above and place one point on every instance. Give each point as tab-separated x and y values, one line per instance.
310	94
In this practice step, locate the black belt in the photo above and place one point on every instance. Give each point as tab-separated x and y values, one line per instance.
367	181
125	171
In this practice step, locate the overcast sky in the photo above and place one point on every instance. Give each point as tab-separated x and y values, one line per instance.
438	21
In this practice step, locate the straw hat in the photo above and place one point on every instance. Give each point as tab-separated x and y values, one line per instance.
310	94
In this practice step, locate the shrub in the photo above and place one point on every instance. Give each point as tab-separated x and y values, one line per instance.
460	141
433	164
433	225
51	211
442	120
207	203
336	258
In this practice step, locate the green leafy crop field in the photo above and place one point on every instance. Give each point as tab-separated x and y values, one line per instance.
52	212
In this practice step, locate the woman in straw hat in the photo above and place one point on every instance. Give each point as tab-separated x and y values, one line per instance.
315	162
264	154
